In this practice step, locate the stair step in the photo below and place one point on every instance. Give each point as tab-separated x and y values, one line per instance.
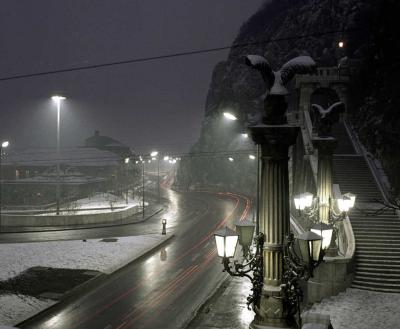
395	280
378	275
377	270
381	266
380	289
388	253
379	285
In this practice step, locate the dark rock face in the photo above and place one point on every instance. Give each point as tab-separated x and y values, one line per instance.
375	89
238	88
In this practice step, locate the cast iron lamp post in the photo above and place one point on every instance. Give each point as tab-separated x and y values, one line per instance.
58	100
226	241
301	256
3	145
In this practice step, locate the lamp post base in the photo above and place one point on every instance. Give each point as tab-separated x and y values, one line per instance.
271	311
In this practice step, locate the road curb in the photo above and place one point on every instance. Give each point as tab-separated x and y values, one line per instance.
96	281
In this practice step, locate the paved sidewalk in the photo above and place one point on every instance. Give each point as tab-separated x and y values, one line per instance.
353	309
227	308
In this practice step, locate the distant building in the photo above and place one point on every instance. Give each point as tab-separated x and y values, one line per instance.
107	143
30	176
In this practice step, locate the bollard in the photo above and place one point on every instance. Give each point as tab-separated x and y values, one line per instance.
164	227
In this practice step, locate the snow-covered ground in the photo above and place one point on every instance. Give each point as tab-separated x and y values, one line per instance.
93	254
98	203
361	309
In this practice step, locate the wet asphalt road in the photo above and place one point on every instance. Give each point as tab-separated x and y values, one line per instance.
160	290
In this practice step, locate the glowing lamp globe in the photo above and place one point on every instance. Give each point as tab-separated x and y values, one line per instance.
325	231
226	241
303	200
230	116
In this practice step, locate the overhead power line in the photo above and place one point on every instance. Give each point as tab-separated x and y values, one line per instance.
179	54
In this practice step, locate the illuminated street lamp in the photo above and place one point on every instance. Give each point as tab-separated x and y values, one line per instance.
303	200
325	231
252	157
346	202
230	116
226	240
58	100
230	159
126	161
3	145
154	156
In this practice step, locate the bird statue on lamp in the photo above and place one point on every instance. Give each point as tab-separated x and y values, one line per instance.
276	82
323	119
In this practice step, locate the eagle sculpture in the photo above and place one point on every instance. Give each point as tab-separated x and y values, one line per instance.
323	119
277	81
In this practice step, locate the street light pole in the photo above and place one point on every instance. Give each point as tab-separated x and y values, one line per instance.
2	145
143	162
158	177
58	100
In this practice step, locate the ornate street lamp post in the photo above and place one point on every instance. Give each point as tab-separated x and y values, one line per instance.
274	137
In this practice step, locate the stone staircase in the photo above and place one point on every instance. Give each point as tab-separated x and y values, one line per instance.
377	250
353	175
377	234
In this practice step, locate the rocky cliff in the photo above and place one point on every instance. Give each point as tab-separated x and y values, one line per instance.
298	27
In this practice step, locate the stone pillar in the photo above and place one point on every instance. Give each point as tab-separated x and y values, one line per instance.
325	147
274	217
306	91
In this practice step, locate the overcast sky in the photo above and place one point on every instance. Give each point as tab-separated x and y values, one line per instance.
157	104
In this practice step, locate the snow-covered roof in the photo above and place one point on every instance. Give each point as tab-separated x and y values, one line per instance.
76	156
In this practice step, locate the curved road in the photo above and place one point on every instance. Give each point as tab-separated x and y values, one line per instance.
161	290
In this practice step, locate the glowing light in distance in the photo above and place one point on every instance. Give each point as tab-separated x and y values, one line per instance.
166	158
341	44
252	157
5	144
154	153
230	116
57	98
244	135
126	160
230	159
